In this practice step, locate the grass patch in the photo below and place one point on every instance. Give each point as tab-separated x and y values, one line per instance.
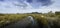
10	18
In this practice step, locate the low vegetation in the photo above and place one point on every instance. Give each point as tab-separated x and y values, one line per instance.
41	18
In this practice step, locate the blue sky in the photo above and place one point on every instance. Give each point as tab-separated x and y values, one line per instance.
27	6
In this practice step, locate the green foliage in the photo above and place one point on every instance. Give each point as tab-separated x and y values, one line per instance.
11	18
1	14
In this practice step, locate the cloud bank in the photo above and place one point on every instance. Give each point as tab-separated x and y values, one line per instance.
26	3
16	5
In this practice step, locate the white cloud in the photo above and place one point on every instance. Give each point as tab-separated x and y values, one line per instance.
24	7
